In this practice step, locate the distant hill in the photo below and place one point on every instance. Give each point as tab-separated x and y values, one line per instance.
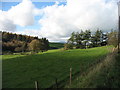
12	42
54	45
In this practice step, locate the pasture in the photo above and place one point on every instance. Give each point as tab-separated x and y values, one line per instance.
104	74
56	45
20	71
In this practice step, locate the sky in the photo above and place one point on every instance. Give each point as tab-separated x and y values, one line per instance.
56	20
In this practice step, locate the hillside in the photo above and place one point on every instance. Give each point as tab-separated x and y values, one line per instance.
56	45
21	71
104	74
12	43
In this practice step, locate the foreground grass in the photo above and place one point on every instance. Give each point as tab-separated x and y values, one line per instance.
104	75
21	71
5	57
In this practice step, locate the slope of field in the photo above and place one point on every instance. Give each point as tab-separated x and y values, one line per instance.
22	71
105	74
56	45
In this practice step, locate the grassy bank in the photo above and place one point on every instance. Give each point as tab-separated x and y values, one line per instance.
21	71
103	75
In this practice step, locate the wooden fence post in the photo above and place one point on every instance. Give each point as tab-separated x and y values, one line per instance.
56	83
36	85
70	75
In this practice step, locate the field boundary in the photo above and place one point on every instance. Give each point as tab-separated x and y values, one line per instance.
95	67
92	67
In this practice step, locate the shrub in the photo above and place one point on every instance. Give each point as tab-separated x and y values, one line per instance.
68	46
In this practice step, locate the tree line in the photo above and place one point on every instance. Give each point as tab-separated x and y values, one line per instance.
83	39
87	39
23	43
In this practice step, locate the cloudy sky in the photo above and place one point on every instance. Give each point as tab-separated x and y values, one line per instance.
57	20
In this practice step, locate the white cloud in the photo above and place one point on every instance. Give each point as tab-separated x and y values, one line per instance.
60	21
31	32
21	14
36	32
5	23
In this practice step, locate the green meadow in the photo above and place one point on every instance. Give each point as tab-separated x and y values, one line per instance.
56	45
105	74
21	71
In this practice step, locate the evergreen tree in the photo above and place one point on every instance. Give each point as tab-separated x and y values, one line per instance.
97	38
72	38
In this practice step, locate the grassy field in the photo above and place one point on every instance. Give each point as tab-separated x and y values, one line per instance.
105	74
56	45
20	71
